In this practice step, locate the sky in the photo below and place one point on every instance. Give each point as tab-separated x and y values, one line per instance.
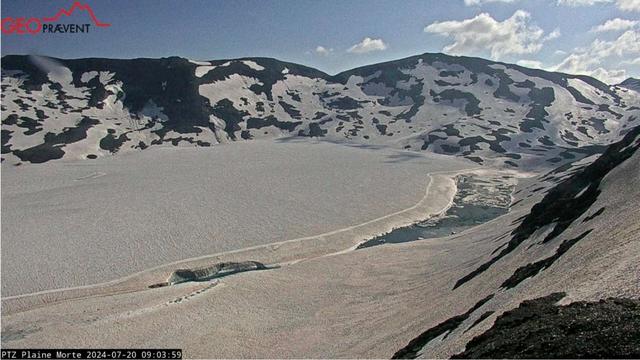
600	38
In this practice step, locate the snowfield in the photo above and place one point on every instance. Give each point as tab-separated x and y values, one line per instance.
373	302
92	221
123	179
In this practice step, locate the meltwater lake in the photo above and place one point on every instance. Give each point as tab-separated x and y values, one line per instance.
478	200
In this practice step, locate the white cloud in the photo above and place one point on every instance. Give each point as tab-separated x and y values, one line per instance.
584	65
480	2
609	76
534	64
616	24
628	5
589	60
553	35
576	63
582	2
624	5
367	45
323	51
514	35
625	44
634	62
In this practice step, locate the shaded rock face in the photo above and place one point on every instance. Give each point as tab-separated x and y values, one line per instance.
538	328
486	111
414	347
561	207
631	84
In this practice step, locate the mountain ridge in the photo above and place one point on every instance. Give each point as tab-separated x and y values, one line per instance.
631	83
486	111
328	75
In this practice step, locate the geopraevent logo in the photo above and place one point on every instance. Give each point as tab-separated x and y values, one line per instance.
37	25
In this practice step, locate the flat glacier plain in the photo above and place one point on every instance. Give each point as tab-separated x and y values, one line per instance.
75	223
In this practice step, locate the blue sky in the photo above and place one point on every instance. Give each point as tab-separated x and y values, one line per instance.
337	35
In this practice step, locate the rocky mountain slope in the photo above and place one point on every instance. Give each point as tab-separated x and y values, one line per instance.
584	223
489	112
631	84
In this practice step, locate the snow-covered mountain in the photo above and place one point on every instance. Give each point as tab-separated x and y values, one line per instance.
574	240
488	112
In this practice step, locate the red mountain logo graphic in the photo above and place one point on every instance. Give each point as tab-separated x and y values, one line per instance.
35	25
79	6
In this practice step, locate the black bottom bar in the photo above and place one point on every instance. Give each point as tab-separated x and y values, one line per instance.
91	353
